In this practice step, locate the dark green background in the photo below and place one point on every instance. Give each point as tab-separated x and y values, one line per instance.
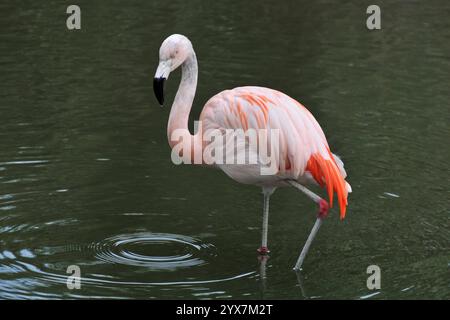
85	170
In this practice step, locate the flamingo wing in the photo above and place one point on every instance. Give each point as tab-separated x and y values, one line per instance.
303	148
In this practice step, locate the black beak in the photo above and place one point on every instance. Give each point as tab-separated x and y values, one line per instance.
158	88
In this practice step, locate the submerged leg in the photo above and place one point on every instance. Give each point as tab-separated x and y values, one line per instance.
323	213
265	226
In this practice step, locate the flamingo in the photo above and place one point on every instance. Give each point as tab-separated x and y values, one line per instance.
303	152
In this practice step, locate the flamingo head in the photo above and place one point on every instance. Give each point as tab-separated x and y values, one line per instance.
173	52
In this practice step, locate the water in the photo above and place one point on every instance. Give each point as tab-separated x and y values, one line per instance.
85	171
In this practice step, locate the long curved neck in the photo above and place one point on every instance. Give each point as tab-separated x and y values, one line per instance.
181	107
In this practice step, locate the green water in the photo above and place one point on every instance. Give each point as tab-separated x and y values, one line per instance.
86	177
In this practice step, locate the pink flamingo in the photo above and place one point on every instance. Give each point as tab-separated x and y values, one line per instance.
304	154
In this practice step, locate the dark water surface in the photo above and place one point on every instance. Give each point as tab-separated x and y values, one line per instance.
86	177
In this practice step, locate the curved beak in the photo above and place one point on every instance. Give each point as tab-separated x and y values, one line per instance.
162	73
158	88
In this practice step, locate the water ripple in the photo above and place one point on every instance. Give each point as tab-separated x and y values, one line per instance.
121	249
145	252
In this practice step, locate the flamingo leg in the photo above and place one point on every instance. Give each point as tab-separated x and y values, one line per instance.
323	212
265	226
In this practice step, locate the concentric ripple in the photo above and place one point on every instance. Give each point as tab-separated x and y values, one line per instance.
156	251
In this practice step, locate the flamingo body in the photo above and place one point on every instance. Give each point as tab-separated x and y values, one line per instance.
304	154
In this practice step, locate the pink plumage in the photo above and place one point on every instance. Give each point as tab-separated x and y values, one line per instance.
303	154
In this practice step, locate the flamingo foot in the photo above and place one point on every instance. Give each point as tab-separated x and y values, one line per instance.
263	250
323	209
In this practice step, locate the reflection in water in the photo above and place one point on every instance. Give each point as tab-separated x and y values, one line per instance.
86	176
262	273
299	276
263	278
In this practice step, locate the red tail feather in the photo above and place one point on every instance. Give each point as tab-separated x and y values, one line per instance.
326	172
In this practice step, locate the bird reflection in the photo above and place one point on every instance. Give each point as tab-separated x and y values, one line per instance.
263	277
262	273
300	283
